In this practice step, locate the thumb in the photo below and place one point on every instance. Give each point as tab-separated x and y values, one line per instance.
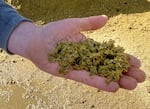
92	23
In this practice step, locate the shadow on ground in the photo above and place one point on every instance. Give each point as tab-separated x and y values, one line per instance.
50	10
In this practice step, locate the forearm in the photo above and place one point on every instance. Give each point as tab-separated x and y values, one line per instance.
9	20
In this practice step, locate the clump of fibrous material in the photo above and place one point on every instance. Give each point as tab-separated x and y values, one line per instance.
102	59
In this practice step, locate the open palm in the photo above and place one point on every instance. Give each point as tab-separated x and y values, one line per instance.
44	39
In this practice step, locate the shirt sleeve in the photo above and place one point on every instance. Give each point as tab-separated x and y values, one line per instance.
9	20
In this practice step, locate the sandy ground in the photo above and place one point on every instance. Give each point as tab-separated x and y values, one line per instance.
23	86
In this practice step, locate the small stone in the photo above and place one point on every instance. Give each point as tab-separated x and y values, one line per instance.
92	106
1	50
118	10
125	3
14	61
113	30
12	82
83	101
98	90
21	59
130	28
148	89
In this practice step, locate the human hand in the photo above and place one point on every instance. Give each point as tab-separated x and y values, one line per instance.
35	42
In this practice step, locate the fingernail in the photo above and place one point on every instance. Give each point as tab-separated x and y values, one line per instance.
104	16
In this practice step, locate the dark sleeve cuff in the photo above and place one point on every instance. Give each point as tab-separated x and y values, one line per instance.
9	20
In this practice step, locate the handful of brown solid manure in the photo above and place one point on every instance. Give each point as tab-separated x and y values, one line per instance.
102	59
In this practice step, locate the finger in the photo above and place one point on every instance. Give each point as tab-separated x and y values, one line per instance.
136	73
83	77
127	82
75	25
134	61
92	23
77	38
94	81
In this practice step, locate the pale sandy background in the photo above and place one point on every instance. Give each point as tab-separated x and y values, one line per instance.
23	86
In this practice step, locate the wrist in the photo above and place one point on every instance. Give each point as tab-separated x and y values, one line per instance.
21	37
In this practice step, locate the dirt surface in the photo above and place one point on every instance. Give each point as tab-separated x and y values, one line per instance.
24	86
